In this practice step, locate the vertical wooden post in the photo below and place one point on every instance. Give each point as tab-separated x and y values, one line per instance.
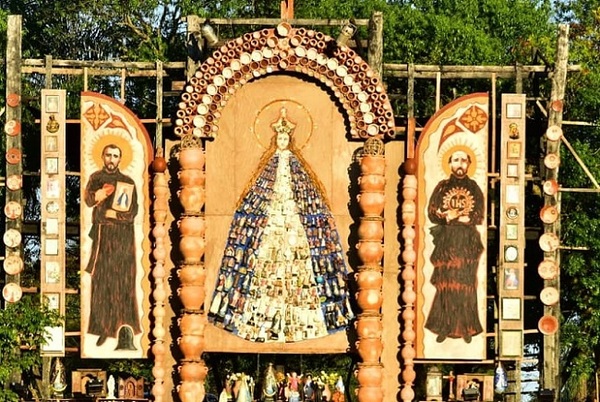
287	9
551	369
410	105
158	137
375	51
48	65
193	25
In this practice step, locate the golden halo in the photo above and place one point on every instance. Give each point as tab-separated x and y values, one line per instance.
296	113
446	155
122	143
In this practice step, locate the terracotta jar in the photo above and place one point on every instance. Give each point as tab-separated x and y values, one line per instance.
370	252
370	394
371	182
369	299
369	326
192	199
371	203
369	279
193	371
370	228
192	248
191	177
192	296
372	164
191	158
192	225
369	375
192	274
192	324
191	391
369	349
191	346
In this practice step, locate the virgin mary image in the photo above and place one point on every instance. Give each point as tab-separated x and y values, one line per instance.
283	275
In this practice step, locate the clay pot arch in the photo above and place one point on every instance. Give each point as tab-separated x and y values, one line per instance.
285	49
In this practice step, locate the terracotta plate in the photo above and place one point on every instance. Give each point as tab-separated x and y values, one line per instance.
14	182
554	133
13	264
551	161
548	269
549	296
549	214
550	187
12	292
548	325
549	242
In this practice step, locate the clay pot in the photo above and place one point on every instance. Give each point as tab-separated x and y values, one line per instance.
371	203
369	326
159	164
191	346
192	274
369	375
370	394
371	182
192	248
370	229
192	177
369	299
191	391
372	164
369	349
370	251
192	226
193	371
369	279
192	296
191	158
192	324
192	199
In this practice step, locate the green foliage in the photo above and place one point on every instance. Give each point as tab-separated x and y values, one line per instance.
22	330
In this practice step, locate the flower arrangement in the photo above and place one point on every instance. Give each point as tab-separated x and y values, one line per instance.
329	379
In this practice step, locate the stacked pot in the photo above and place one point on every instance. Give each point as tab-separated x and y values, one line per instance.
409	296
159	232
369	276
191	271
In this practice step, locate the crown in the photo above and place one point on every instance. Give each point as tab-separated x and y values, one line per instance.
283	125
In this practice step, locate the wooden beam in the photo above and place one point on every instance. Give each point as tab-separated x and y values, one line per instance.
375	56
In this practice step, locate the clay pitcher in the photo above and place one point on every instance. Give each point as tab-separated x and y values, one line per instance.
192	274
192	199
372	164
193	371
191	346
369	375
369	279
369	349
371	203
191	158
368	326
192	177
370	228
192	226
192	248
192	296
191	391
369	299
370	252
192	324
371	394
371	182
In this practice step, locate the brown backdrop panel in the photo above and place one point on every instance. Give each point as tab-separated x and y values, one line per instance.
233	157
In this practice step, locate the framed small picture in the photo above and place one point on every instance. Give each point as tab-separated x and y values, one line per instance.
512	231
511	253
53	300
51	104
123	197
51	247
52	187
511	278
52	226
52	272
512	170
52	165
514	110
512	194
511	308
511	344
51	143
513	150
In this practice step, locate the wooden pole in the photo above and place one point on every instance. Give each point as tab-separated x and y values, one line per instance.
287	9
551	353
375	55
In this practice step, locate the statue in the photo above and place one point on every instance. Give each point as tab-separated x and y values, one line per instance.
269	389
110	384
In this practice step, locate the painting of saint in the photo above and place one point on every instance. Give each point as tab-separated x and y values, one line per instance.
282	277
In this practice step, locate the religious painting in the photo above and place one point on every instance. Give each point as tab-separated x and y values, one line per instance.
451	222
283	276
114	230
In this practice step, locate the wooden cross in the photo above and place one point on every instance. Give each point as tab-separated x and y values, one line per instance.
287	9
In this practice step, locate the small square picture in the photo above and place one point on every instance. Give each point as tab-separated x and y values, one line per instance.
51	247
513	150
51	104
512	231
52	226
51	143
511	278
514	110
511	308
51	165
512	170
512	194
53	300
511	344
52	187
52	272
